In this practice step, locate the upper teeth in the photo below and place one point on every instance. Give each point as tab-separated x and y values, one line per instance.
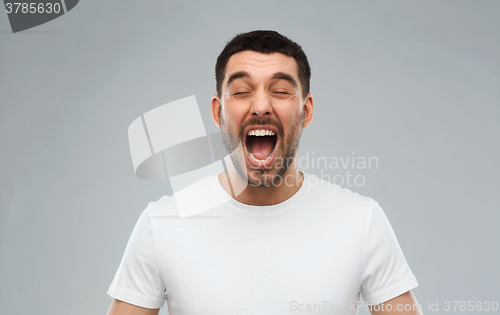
261	132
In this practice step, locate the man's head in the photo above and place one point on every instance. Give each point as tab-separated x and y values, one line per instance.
262	101
265	42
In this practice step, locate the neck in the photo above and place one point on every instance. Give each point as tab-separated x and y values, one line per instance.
273	194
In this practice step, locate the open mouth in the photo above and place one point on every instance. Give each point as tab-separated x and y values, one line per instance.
260	145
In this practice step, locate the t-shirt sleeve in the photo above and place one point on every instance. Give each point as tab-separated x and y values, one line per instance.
385	273
138	280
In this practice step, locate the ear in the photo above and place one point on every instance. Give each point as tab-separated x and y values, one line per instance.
215	108
308	110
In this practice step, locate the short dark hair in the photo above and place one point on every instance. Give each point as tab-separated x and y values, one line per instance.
265	42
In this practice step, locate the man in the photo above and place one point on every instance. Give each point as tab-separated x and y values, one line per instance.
281	245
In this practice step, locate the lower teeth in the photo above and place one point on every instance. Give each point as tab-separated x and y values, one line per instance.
268	158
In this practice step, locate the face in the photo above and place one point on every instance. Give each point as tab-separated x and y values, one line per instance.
262	108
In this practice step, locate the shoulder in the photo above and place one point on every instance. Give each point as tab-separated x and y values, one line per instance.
164	206
339	199
324	190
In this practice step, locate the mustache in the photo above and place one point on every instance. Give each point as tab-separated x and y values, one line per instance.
262	122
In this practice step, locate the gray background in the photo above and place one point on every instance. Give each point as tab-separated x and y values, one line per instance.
415	84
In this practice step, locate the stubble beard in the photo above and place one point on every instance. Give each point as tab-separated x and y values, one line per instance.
281	163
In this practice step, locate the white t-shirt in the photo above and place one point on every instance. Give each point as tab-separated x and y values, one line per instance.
316	252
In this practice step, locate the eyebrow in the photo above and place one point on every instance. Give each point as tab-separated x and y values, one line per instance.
237	75
277	75
287	77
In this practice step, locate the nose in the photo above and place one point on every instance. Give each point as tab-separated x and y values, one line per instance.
261	105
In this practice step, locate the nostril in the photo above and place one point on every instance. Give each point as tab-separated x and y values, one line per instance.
264	114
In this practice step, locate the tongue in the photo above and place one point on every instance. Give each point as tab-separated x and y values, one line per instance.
262	147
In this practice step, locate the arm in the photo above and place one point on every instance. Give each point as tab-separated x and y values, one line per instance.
397	306
138	287
122	308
